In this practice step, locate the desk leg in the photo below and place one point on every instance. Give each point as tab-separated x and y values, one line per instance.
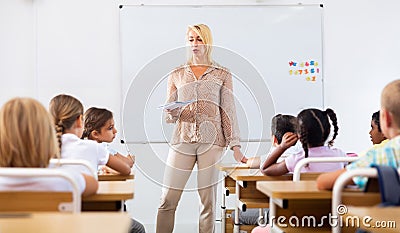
272	212
261	218
223	206
236	227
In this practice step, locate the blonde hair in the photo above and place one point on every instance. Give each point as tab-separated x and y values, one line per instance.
205	34
64	109
27	137
390	100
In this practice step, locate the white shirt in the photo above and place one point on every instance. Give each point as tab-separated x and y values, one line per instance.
111	150
76	148
56	184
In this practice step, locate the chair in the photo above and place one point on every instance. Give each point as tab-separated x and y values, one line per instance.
339	185
82	162
27	201
305	161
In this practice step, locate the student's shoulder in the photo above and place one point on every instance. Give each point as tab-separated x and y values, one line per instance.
295	149
337	152
91	144
76	175
365	160
380	148
392	143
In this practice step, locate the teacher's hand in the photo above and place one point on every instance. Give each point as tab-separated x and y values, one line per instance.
237	154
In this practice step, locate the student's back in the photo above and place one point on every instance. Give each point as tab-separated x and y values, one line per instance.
313	131
67	113
27	140
317	152
75	148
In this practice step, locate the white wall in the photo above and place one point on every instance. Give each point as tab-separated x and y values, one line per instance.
57	46
17	49
361	51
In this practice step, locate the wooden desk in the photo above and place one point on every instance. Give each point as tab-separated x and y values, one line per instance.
65	223
248	196
380	219
110	196
295	199
115	177
228	186
30	201
232	166
245	187
302	198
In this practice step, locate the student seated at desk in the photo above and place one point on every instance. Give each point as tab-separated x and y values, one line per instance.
280	124
27	140
99	126
387	154
313	130
376	134
67	112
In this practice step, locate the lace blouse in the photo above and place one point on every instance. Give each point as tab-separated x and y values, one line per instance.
212	117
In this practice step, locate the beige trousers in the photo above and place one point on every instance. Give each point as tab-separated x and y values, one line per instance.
180	163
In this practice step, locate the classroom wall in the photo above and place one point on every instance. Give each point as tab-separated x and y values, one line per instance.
49	47
17	49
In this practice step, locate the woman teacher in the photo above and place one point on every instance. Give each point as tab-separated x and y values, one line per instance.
202	129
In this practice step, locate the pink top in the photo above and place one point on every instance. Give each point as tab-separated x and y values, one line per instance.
315	152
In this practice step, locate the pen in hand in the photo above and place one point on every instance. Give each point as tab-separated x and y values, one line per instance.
127	149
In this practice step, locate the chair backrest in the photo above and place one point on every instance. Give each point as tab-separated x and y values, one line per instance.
305	161
339	185
23	201
57	162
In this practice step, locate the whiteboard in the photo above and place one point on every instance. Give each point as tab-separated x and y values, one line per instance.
274	53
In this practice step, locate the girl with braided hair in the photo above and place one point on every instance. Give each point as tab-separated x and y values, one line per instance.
27	140
314	129
67	113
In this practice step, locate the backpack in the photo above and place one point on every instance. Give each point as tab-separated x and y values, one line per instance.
389	185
